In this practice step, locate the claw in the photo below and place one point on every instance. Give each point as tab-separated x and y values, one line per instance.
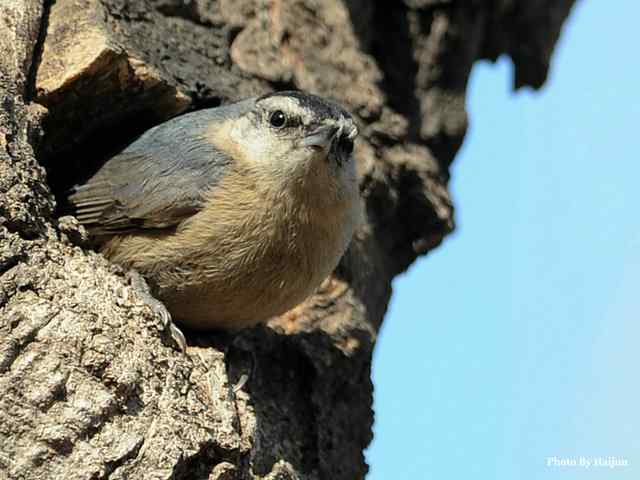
245	376
138	282
177	335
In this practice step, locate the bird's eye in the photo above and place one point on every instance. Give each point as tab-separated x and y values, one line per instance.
277	119
346	144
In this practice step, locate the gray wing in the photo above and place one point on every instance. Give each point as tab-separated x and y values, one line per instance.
158	180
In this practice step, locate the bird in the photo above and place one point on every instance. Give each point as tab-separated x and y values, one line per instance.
233	214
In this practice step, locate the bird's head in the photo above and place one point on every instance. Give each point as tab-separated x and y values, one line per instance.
300	137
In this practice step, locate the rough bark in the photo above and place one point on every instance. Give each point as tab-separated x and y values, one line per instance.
90	386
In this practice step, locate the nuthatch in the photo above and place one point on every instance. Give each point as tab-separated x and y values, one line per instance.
233	214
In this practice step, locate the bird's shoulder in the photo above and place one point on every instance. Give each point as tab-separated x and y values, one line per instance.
159	179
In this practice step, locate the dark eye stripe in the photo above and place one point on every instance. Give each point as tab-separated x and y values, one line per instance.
280	119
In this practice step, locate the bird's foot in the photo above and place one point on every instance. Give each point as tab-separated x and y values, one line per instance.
236	349
242	381
138	282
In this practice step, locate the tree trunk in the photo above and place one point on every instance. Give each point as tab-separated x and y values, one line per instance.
90	384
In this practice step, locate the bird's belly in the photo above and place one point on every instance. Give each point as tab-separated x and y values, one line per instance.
239	284
237	271
235	300
212	305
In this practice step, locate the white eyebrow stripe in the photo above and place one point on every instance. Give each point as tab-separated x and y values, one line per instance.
290	106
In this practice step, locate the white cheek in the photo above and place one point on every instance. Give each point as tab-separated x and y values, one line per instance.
252	140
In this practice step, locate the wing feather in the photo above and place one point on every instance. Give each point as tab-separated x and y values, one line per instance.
157	181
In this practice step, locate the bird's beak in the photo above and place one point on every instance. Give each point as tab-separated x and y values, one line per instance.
321	137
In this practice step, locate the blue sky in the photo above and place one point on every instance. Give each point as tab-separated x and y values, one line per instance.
518	339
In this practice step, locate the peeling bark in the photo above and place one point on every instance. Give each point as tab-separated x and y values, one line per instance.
90	386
